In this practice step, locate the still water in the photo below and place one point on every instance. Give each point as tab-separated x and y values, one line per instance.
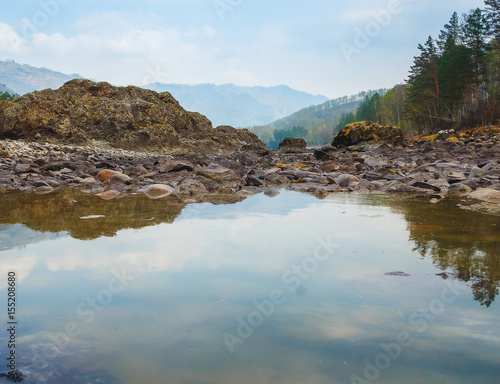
288	289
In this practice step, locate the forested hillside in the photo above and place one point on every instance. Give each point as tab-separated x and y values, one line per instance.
316	124
453	83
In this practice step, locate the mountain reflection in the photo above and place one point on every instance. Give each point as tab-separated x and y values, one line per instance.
463	243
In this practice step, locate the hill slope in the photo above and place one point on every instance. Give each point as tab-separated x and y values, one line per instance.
23	78
237	106
316	124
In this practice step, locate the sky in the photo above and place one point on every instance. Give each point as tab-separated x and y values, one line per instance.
327	47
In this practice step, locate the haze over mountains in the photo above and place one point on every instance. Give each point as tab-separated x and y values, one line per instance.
226	104
237	106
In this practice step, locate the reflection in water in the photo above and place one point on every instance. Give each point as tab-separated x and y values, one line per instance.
468	243
187	275
85	216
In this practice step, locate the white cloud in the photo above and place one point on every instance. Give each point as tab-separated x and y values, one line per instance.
10	41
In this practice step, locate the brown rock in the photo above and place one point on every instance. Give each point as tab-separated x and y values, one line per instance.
291	145
108	195
363	131
158	191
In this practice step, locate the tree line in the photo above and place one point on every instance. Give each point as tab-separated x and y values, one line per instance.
454	82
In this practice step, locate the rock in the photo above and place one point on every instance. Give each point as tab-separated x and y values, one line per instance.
476	172
190	187
107	174
253	181
120	178
21	168
346	180
177	166
158	191
82	112
108	195
42	190
221	175
423	185
396	273
486	195
360	132
459	190
291	145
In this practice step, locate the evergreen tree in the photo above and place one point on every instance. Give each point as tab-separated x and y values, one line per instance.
493	13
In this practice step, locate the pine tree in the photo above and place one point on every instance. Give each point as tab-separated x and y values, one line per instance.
493	13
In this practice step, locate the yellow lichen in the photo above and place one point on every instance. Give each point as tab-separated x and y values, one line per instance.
453	140
281	165
430	138
301	165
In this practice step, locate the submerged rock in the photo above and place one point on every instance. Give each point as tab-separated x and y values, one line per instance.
158	191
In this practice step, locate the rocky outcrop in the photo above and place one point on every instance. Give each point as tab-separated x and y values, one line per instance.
84	112
369	132
291	145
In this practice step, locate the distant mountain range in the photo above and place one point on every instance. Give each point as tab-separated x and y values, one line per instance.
237	106
23	78
4	88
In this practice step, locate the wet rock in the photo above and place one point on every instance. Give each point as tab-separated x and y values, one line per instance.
190	187
459	190
221	175
42	190
109	195
158	191
253	181
486	195
346	180
396	273
291	145
423	185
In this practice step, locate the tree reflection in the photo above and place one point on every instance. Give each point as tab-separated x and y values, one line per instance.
461	241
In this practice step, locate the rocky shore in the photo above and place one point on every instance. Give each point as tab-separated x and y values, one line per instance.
447	165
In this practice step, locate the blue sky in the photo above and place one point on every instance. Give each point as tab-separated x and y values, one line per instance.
325	47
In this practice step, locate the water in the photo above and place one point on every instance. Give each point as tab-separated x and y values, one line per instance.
288	289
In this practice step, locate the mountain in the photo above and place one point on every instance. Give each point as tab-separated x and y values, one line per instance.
4	88
316	124
237	106
23	78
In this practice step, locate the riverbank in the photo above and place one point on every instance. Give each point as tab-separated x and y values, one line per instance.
447	165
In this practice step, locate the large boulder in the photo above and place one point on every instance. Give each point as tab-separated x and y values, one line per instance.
84	112
363	131
291	145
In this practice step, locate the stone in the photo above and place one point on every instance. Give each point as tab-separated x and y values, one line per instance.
42	190
253	181
291	145
109	195
190	187
21	168
120	178
459	190
486	195
107	174
158	191
476	172
177	166
346	180
363	131
221	175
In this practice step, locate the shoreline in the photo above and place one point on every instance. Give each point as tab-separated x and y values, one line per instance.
435	168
